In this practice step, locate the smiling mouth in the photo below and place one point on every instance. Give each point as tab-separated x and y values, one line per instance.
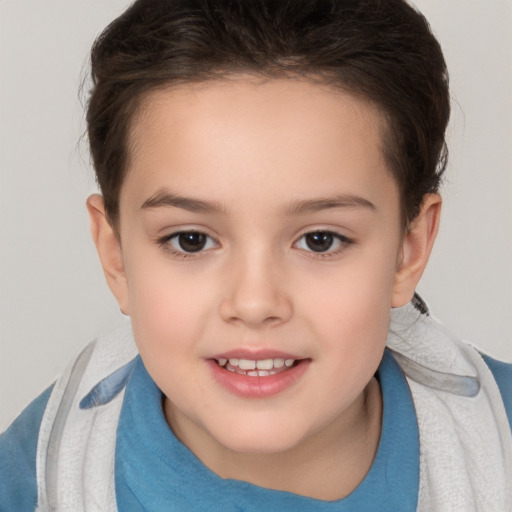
257	367
259	378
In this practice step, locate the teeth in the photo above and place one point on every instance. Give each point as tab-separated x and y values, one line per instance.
246	364
263	365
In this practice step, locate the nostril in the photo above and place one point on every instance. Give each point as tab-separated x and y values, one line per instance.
256	304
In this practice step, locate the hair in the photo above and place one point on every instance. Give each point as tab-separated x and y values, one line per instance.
382	50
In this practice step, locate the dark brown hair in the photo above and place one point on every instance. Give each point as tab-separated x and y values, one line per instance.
382	50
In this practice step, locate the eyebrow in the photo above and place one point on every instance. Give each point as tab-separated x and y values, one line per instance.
165	198
340	201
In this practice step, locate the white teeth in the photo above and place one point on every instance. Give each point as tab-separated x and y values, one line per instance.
246	364
265	364
258	373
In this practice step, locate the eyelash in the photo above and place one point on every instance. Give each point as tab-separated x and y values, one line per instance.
342	240
166	243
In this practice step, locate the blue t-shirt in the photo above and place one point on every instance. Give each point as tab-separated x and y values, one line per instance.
154	471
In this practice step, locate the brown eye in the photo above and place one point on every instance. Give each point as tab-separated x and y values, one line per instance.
322	242
190	241
319	241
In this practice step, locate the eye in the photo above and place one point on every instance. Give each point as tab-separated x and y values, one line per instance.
190	241
322	242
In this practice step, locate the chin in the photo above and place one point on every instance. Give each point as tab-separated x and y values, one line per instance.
258	439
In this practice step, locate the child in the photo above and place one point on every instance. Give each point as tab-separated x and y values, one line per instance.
269	175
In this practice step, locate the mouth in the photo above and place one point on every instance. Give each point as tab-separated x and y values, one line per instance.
257	378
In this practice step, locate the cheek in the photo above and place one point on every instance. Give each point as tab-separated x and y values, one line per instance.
360	288
351	310
168	309
169	321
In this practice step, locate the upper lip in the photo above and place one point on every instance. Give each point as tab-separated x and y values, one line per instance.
255	354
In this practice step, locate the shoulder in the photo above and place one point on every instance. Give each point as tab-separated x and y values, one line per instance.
18	445
503	374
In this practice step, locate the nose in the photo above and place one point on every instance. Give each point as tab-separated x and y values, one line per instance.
255	294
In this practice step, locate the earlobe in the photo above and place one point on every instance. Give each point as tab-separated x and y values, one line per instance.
109	251
416	248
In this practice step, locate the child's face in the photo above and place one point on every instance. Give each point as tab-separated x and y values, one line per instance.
290	249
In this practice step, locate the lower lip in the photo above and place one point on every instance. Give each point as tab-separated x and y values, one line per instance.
258	387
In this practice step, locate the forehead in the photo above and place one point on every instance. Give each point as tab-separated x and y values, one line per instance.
245	130
254	102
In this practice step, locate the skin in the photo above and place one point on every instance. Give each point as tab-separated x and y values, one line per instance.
275	160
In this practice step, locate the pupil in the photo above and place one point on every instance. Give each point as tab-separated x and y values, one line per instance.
192	242
319	241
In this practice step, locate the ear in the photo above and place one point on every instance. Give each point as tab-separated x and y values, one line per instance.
109	250
415	251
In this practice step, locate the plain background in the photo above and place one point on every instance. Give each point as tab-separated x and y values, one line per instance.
52	294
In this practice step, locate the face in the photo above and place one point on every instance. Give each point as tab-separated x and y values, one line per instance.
261	244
